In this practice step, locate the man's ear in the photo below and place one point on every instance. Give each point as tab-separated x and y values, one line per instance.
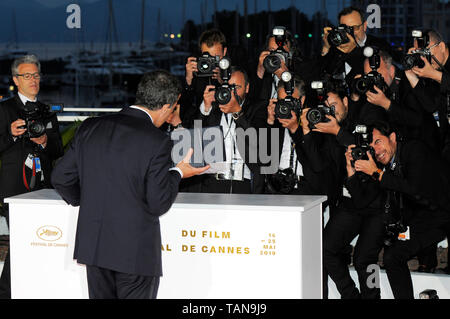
225	51
393	137
247	88
303	99
16	82
365	26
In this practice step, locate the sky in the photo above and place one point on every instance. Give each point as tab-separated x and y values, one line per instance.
37	20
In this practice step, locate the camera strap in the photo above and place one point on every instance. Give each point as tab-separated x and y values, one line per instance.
291	159
29	186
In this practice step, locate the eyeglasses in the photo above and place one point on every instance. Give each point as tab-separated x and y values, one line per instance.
28	76
434	45
357	27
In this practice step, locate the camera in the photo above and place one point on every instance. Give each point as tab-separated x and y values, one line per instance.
392	219
284	106
272	62
413	59
338	35
373	78
317	114
206	64
282	182
224	92
36	116
363	140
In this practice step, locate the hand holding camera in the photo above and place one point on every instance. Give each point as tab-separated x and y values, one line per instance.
378	98
271	111
208	96
291	124
18	128
191	68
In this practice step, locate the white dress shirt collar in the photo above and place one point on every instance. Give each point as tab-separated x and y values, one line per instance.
140	109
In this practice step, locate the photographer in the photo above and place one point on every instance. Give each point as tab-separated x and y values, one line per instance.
417	182
241	176
280	54
341	54
349	217
26	149
213	47
430	78
384	94
283	114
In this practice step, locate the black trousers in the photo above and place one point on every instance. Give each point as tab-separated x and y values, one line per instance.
396	258
5	279
342	227
108	284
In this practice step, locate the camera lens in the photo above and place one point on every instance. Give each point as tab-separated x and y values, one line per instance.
272	62
337	37
204	65
36	129
412	60
314	116
362	85
283	109
223	95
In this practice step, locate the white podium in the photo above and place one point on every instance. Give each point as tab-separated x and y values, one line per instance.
213	246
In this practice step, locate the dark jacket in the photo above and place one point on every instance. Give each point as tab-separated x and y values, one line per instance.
14	153
253	116
117	171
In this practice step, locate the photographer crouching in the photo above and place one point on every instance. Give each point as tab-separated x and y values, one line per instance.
349	216
29	142
416	184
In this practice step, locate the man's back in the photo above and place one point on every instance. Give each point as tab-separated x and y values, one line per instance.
122	162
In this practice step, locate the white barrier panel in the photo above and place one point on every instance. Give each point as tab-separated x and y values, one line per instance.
214	246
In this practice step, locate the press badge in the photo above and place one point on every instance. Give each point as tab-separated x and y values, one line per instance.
37	164
404	236
29	161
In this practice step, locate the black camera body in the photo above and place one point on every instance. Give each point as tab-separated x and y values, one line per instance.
373	78
206	64
392	218
283	107
363	140
272	62
368	81
36	116
392	230
317	113
413	59
338	35
224	92
282	182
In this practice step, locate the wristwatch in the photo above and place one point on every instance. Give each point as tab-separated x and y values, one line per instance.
236	115
376	174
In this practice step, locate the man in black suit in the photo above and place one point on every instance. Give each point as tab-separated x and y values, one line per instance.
26	160
419	181
118	170
346	60
239	112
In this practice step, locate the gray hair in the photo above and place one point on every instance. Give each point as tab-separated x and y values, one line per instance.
156	89
26	59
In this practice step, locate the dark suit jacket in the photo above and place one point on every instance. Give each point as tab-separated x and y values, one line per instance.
13	153
253	117
117	170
